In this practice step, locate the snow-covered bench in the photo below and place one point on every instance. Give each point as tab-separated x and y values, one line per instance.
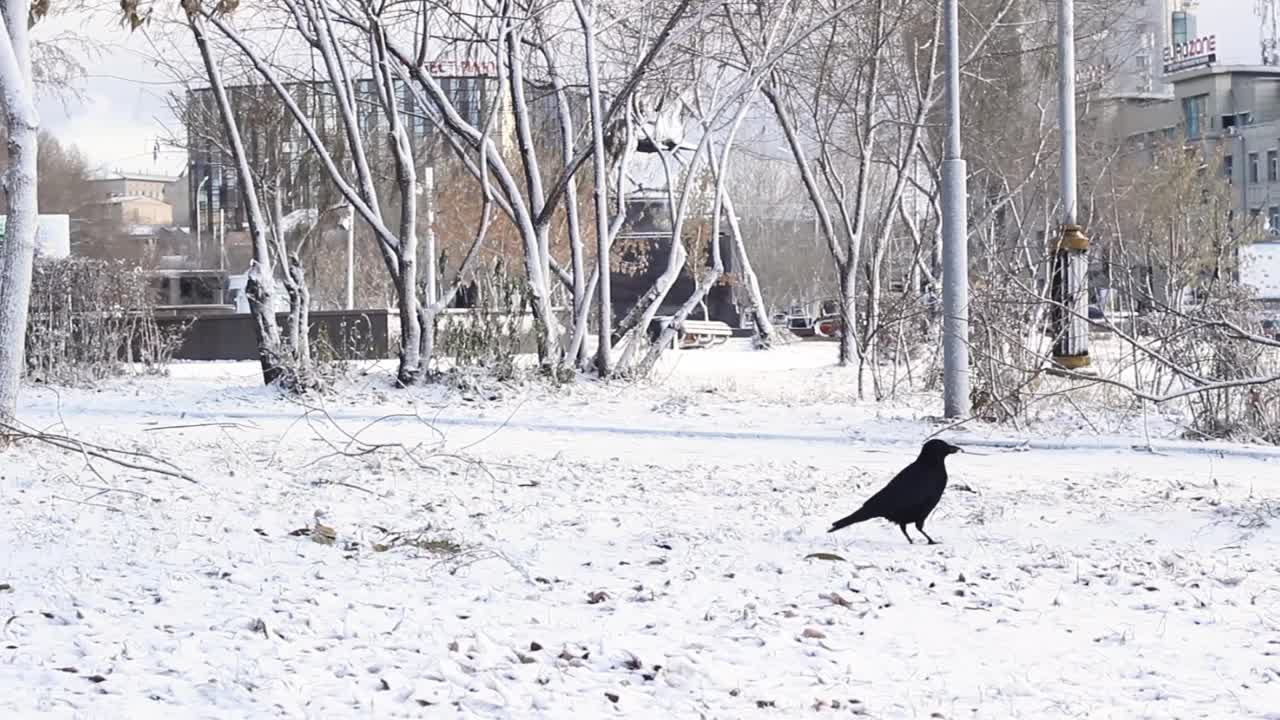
703	333
695	333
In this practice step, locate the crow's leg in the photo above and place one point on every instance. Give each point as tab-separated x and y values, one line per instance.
920	527
903	528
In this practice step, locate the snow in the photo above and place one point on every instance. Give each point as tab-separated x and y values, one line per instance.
649	538
297	218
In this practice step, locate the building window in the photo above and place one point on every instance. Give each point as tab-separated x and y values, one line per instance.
1193	114
1273	219
1253	167
366	105
1237	120
1228	167
1273	166
1183	26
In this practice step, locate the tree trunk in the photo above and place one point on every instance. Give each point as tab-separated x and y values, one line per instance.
583	290
604	359
871	337
431	282
17	253
848	313
300	312
296	342
260	286
765	333
407	293
641	316
669	332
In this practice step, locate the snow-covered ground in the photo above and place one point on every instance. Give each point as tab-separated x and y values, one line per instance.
623	550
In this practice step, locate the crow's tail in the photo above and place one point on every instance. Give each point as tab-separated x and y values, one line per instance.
845	522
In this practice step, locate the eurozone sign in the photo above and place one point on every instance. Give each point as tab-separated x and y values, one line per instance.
1197	52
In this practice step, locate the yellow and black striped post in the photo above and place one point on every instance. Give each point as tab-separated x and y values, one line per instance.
1070	293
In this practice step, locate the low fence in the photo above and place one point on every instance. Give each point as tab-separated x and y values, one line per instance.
348	335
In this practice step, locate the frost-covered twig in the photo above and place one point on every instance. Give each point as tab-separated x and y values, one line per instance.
130	459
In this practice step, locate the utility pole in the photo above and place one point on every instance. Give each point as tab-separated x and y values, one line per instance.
431	284
1070	279
222	239
351	257
199	242
955	236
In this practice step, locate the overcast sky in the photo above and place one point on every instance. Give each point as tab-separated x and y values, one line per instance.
124	113
123	110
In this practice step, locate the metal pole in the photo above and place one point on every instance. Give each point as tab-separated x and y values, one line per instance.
955	237
199	241
1067	108
1070	281
222	240
351	257
432	260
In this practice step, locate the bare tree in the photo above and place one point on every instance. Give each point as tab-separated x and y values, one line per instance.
62	175
261	280
847	85
17	253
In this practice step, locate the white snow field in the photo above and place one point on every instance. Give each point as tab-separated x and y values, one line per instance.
622	551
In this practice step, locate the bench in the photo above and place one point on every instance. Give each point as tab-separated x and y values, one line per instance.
693	333
704	333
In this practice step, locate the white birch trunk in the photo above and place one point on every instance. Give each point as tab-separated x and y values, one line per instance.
604	321
765	332
17	253
719	169
261	282
582	289
407	182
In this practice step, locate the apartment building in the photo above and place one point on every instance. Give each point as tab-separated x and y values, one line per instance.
280	152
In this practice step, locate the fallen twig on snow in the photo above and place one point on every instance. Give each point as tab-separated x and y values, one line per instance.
131	459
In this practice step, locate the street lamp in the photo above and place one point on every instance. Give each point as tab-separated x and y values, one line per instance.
1069	282
955	237
199	243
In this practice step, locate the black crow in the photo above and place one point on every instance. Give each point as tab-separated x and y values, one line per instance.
911	495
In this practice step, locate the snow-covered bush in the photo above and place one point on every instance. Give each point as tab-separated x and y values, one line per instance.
491	334
93	319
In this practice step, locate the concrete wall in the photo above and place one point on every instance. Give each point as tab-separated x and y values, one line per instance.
178	195
141	211
108	188
352	335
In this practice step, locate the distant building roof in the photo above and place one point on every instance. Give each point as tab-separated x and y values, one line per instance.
1205	70
135	176
121	199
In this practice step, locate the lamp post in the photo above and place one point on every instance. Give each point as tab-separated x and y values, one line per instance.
351	257
955	237
1070	275
199	242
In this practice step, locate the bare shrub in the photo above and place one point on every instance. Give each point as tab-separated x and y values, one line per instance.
491	334
93	319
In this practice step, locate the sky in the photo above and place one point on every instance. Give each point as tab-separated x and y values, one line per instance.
1236	27
122	112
